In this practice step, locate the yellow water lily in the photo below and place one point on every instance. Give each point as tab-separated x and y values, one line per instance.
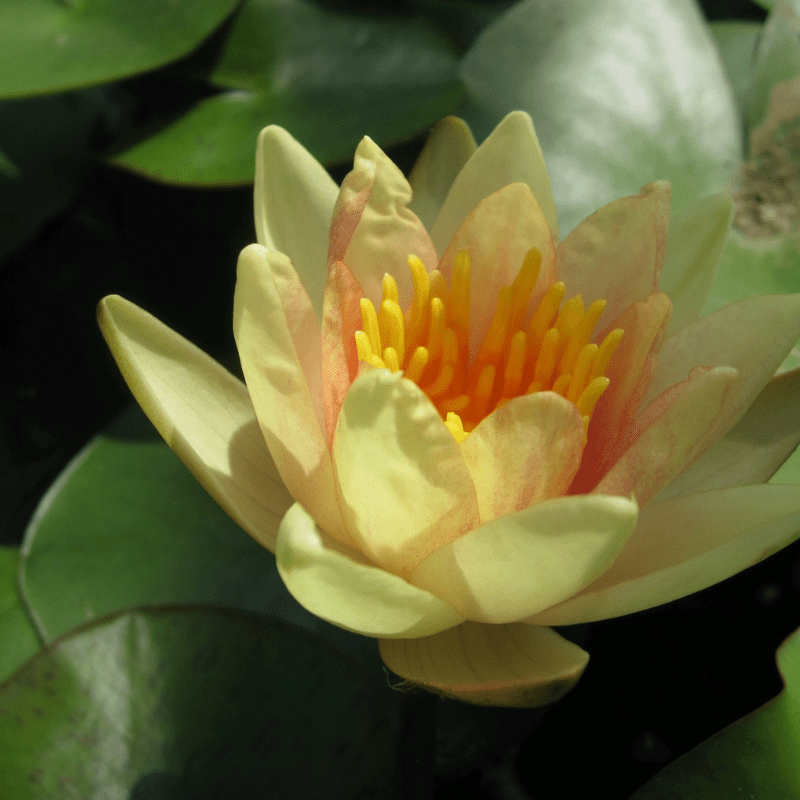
457	430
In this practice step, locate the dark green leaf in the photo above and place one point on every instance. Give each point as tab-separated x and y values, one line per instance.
736	40
621	94
755	757
192	704
53	45
18	639
325	76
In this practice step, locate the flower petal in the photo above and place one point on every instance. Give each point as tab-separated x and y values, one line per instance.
404	487
289	410
449	146
684	545
676	429
498	234
754	449
525	452
372	229
694	246
753	336
293	201
519	564
340	586
617	253
510	154
204	414
516	665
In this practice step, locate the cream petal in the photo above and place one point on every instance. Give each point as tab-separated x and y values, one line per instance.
404	487
673	432
342	587
517	565
204	414
513	665
372	230
289	410
684	545
753	336
498	234
510	154
525	452
293	202
617	253
694	246
449	146
754	449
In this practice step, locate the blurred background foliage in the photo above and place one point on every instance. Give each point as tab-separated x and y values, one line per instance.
127	135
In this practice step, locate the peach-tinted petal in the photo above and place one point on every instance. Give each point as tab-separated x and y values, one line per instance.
753	336
498	234
290	418
447	149
513	665
694	246
342	587
510	154
525	452
684	545
294	199
372	229
617	253
203	413
675	430
753	450
629	373
341	318
521	563
405	489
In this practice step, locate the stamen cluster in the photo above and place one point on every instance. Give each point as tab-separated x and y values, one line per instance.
551	350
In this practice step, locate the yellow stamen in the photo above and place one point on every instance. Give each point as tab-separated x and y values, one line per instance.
483	390
436	333
543	316
369	322
390	359
377	361
561	385
418	361
591	394
419	303
580	375
548	355
607	349
390	288
455	426
523	286
392	328
512	377
363	347
460	297
581	335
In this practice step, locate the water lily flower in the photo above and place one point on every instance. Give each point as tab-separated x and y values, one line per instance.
457	429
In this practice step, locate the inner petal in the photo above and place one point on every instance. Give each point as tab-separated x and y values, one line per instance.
522	353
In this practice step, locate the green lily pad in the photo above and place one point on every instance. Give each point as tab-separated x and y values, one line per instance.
192	703
54	45
18	639
755	757
736	40
621	94
126	524
326	76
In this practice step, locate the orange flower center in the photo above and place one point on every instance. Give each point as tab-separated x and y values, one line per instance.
551	350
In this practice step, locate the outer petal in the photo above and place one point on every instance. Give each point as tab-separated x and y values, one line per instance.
522	563
449	146
203	413
492	665
340	586
372	229
753	336
685	545
290	419
672	433
754	448
404	486
294	199
617	253
498	234
510	154
694	246
525	452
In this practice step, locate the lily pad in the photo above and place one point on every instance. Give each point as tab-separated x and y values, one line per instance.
18	639
326	76
54	45
192	703
621	94
126	524
755	757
